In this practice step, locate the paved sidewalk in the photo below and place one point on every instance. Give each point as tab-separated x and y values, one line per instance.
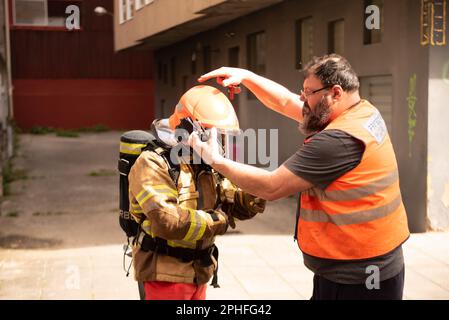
270	267
60	239
251	267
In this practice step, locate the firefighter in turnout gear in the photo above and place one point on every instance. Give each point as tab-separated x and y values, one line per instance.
181	205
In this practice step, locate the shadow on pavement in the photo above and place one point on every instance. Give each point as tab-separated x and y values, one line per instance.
16	241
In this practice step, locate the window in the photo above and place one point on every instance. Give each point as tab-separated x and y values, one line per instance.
233	57
173	71
185	80
121	11
193	63
165	73
256	45
371	36
162	111
337	37
159	70
125	10
139	4
41	13
304	42
234	61
30	12
207	59
379	91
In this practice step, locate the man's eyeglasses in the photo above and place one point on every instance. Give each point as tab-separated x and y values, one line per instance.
308	94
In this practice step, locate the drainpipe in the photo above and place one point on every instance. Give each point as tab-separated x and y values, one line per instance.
9	132
8	61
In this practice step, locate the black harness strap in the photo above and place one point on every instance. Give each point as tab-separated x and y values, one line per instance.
173	169
160	246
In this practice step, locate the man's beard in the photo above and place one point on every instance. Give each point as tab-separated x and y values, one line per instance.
315	120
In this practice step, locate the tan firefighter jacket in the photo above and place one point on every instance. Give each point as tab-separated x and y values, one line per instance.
178	214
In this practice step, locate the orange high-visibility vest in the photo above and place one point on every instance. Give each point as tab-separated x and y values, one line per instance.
360	215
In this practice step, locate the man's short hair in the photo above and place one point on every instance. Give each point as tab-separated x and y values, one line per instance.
333	69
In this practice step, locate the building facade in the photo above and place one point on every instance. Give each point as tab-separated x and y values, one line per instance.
399	49
66	73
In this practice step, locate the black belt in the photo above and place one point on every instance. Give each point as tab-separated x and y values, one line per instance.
159	245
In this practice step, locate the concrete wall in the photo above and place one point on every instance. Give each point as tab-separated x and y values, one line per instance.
399	54
438	139
410	59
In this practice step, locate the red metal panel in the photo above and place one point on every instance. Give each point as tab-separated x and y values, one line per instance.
44	53
75	103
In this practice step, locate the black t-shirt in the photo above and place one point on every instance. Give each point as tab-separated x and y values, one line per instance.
324	158
327	156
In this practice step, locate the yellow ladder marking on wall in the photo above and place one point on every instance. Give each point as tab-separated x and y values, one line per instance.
433	22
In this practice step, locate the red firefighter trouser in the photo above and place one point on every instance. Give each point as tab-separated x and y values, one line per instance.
161	290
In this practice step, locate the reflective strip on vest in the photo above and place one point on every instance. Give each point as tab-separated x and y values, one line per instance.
353	217
131	148
197	225
357	193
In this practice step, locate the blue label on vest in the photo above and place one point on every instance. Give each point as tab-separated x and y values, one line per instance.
376	127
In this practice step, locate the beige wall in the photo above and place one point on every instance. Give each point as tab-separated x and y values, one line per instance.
156	17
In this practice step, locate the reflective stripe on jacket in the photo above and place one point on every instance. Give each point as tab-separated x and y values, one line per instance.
360	215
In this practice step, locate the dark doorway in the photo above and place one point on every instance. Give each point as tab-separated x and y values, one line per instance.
233	61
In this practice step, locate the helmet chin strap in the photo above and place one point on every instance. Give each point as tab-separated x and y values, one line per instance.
197	127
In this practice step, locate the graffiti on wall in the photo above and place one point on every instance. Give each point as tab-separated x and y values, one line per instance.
433	22
411	103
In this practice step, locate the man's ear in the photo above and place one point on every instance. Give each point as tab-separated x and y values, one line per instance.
337	92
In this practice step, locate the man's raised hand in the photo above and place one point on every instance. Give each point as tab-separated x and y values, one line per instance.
227	77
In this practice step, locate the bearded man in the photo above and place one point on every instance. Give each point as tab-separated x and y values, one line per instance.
351	221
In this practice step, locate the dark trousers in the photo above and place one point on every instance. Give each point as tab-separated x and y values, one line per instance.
390	289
